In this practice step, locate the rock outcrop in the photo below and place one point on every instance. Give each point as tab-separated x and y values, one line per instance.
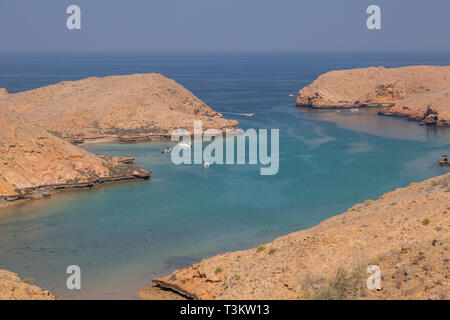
12	287
34	162
430	108
406	233
416	92
125	108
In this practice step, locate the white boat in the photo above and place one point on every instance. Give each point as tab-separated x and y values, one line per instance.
185	145
206	164
354	110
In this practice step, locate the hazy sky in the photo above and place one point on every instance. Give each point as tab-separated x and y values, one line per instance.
224	25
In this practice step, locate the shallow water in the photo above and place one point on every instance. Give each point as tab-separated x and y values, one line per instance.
122	235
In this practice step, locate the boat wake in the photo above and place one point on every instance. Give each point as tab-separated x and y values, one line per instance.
251	114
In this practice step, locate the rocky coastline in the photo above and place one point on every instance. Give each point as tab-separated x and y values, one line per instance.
417	93
35	163
12	287
46	191
43	127
405	233
123	109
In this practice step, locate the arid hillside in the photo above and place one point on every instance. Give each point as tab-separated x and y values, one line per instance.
416	92
33	160
126	108
430	108
405	232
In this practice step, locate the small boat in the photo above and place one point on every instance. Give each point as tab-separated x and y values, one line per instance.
206	164
185	145
251	114
166	150
354	110
126	160
444	161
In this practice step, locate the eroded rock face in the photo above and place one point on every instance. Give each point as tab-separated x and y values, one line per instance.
406	233
408	91
32	159
430	108
129	108
12	287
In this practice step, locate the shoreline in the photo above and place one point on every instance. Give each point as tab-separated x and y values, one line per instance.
46	191
13	287
363	235
384	111
332	107
417	92
115	139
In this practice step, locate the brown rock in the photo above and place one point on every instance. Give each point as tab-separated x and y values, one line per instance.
33	160
14	288
418	92
338	244
125	108
430	108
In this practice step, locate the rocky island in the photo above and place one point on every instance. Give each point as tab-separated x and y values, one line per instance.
419	93
128	108
406	233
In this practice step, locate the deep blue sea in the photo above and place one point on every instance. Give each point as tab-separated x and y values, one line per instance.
122	235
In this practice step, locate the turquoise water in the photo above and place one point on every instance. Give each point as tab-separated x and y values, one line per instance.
122	235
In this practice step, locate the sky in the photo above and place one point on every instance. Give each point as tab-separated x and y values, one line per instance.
224	25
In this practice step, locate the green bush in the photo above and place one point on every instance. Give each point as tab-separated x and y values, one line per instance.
341	287
261	248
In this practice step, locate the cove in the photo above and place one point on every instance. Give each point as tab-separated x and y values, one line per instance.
122	235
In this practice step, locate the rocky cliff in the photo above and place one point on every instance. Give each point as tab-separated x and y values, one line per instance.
406	233
34	162
12	287
416	92
126	108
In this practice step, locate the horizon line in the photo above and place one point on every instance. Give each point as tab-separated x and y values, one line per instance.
224	52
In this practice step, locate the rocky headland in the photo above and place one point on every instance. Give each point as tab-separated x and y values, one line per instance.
38	130
128	108
33	162
12	287
40	126
405	232
419	93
